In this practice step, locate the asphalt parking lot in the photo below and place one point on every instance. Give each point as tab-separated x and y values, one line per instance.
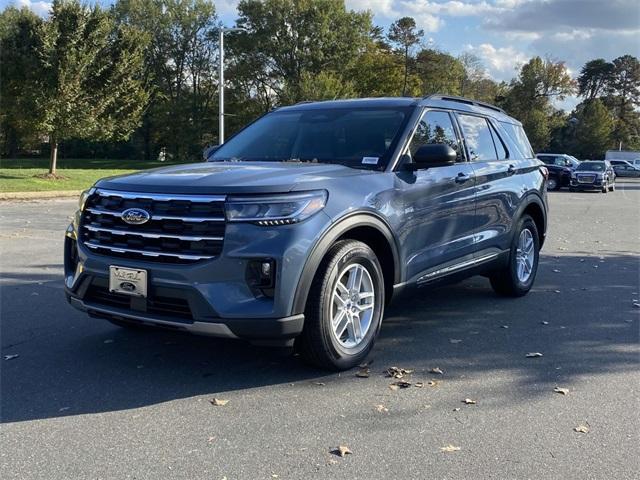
85	399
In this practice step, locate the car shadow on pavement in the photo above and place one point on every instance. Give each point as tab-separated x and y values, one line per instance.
70	364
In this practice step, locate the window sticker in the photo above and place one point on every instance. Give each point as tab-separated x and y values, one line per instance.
370	160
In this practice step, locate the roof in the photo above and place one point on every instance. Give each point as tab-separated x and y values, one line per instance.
437	101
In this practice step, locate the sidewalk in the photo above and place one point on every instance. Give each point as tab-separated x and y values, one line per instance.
39	195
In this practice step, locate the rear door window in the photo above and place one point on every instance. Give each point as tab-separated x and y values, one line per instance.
517	136
478	138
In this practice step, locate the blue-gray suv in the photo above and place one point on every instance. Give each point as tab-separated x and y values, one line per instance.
305	224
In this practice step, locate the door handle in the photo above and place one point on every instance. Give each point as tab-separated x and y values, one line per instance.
462	177
511	170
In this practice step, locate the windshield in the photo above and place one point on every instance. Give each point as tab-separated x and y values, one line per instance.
355	137
591	166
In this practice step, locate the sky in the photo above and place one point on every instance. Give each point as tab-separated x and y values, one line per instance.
504	34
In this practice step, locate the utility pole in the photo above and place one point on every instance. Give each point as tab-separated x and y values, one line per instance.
221	33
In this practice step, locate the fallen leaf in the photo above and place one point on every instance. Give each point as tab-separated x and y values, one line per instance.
449	448
363	373
381	409
563	391
11	357
320	384
436	371
399	384
218	402
365	364
342	451
544	323
419	384
636	304
454	340
556	291
457	409
433	383
396	372
533	355
504	326
273	475
63	409
211	439
468	401
555	270
582	429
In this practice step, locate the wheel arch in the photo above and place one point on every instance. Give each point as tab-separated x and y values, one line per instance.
366	227
535	207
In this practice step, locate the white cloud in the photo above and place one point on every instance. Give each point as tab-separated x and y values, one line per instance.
502	62
38	7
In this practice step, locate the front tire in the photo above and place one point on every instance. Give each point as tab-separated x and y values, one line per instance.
517	277
344	310
553	184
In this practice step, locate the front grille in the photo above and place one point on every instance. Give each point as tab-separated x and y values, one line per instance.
181	228
586	178
157	305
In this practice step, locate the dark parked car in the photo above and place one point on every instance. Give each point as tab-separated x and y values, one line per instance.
305	224
560	167
594	175
624	168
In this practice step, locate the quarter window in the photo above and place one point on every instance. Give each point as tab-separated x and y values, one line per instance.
478	138
435	127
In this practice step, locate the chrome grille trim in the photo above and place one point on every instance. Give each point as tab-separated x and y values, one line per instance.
187	238
180	228
147	253
97	211
162	196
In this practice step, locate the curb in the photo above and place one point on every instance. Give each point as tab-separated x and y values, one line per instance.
50	195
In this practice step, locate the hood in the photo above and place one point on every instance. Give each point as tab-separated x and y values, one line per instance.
231	177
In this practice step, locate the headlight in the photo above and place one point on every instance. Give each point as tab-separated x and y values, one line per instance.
277	209
83	198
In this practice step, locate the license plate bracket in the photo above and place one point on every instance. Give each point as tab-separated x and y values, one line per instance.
128	281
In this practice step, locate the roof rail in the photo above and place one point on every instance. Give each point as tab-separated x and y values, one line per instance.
468	101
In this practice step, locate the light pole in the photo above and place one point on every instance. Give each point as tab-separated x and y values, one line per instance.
221	33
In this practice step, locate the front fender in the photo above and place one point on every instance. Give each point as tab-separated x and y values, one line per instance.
329	237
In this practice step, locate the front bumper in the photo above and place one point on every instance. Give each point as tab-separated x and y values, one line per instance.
596	185
211	297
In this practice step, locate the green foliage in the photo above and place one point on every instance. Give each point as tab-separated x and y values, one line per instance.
284	40
89	76
18	67
404	34
439	72
594	129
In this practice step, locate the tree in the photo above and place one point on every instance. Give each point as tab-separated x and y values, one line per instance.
594	127
403	33
89	82
529	97
18	63
180	69
594	78
439	72
284	40
624	90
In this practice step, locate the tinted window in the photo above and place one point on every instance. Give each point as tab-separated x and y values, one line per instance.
355	137
478	138
591	166
502	152
517	135
435	127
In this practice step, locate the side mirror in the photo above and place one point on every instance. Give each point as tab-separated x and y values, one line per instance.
434	155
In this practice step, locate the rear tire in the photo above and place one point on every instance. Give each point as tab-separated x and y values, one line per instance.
517	277
341	324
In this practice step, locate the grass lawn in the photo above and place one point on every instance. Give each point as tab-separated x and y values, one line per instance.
21	175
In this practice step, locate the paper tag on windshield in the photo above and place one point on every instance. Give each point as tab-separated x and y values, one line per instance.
370	160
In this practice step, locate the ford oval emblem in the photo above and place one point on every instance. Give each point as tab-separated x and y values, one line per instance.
136	216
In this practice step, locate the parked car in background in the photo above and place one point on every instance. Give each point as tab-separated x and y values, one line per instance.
625	169
631	156
308	221
560	167
593	175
